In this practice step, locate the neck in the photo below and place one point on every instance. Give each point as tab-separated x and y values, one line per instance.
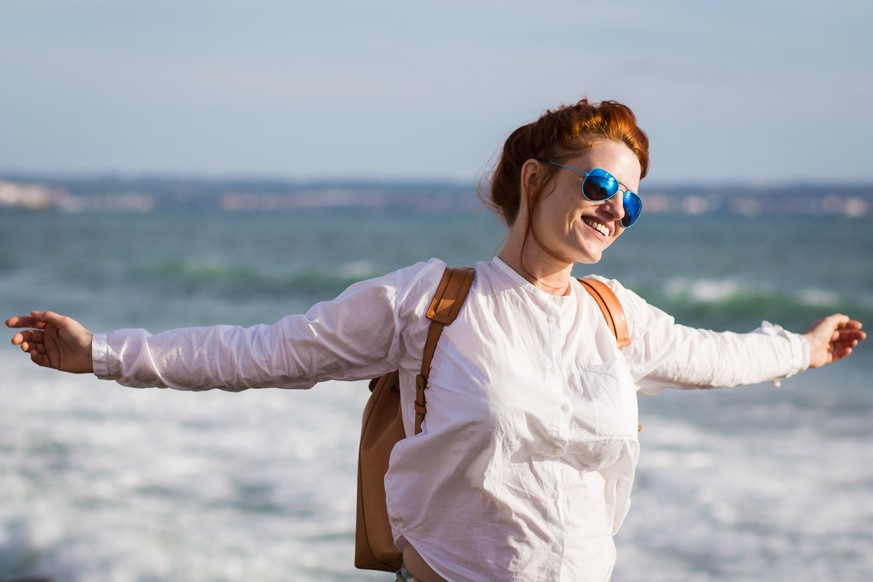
538	267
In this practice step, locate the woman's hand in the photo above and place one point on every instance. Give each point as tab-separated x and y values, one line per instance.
832	338
54	341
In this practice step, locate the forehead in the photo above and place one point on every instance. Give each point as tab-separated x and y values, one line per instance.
614	157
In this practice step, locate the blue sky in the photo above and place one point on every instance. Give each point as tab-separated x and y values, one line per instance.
743	91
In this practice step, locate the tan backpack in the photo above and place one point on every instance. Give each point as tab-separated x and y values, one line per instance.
382	424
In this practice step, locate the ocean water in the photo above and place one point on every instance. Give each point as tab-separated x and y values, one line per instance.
104	483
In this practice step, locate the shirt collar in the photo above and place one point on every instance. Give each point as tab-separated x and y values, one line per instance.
524	283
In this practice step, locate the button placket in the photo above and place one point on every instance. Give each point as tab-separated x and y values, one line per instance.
554	367
554	335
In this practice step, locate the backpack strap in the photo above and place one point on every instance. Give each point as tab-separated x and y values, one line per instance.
611	308
444	308
612	311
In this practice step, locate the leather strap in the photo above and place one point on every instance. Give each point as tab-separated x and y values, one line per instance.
611	308
449	297
444	308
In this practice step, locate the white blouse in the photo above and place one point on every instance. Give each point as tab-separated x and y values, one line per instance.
524	467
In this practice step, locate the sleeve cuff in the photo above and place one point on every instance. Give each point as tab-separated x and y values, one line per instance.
99	360
798	345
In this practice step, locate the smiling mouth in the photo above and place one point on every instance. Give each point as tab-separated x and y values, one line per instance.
599	227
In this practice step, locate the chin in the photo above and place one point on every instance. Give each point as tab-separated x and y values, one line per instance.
589	260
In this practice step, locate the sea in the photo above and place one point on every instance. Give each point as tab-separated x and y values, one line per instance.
100	482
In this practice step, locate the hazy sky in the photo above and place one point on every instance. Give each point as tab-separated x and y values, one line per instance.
740	91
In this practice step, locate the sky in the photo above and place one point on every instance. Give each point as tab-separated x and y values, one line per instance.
747	91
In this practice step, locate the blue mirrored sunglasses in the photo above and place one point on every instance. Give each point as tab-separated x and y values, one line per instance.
600	185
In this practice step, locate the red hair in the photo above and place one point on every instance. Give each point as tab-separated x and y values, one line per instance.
559	135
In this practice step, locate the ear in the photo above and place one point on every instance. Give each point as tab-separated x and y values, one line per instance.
531	178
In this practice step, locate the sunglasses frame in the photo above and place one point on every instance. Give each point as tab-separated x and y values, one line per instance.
625	194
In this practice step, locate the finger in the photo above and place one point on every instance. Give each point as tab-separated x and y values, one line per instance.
858	334
20	321
842	344
848	335
36	319
842	326
30	340
40	319
25	322
839	354
29	336
838	319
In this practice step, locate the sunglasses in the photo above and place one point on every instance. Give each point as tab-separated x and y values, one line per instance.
599	185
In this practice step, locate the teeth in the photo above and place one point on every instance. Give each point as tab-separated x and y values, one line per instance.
601	228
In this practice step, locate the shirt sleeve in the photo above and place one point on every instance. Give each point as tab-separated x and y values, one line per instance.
665	354
355	336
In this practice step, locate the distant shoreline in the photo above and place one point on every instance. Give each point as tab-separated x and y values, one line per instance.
146	195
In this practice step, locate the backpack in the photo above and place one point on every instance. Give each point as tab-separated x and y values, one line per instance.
382	425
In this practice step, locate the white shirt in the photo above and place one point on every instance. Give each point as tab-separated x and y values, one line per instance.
524	467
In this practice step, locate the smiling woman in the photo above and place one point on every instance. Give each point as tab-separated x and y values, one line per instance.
525	462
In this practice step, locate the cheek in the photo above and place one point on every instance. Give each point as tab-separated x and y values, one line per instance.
561	210
547	212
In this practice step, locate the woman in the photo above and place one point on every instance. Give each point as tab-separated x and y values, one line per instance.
524	467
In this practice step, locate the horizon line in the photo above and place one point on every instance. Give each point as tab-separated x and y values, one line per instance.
351	180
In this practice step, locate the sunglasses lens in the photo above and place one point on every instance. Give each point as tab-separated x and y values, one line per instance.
633	207
599	185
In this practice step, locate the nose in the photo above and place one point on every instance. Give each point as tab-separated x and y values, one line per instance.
615	206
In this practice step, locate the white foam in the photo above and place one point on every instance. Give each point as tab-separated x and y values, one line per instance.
102	482
702	290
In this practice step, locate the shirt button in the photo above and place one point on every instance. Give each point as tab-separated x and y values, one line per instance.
550	319
554	495
565	407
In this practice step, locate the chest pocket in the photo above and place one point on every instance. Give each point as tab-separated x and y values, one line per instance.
611	397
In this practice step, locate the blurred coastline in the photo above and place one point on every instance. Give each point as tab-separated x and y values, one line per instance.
145	195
